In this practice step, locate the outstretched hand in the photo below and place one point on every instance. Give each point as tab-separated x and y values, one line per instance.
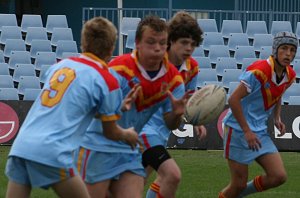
201	132
178	105
130	98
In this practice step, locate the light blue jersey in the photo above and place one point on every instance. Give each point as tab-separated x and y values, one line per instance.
75	90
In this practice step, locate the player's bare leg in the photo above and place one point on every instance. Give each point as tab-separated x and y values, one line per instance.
73	187
129	185
274	168
17	190
239	177
99	189
168	178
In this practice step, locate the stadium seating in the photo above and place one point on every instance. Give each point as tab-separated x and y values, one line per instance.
4	69
6	81
203	62
65	46
230	75
244	52
31	94
231	26
130	40
237	39
7	20
260	40
293	90
10	32
23	70
206	74
256	27
212	38
43	70
296	67
208	25
217	51
61	34
2	60
56	21
246	62
198	51
279	26
294	100
297	31
265	52
28	82
69	54
35	33
44	58
19	57
129	23
9	94
39	46
13	45
225	63
29	20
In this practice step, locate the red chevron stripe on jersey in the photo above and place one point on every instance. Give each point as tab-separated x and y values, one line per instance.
192	70
270	91
152	91
110	80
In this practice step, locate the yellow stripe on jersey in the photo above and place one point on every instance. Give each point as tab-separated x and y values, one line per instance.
106	118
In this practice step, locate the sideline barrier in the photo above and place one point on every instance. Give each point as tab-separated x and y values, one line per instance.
13	113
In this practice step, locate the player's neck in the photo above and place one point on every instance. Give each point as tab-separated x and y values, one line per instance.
174	59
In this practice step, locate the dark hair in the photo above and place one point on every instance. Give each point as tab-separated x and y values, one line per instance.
183	25
153	22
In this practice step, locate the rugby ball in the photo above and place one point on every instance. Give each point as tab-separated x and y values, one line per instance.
205	105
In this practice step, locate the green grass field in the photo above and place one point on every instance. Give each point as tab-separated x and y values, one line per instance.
204	174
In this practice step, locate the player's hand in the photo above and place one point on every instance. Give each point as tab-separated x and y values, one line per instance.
130	98
131	137
253	142
178	105
280	126
201	132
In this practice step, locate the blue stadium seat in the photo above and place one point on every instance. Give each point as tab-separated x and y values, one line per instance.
44	58
265	52
217	51
70	54
2	59
208	25
19	57
39	46
10	32
55	21
206	74
35	33
61	34
130	40
260	40
13	45
28	82
23	70
246	62
293	90
65	46
231	26
297	56
279	26
243	52
8	20
6	81
4	69
296	67
294	100
9	94
237	39
297	31
230	75
256	27
203	62
225	63
129	23
212	38
198	51
30	20
44	69
31	94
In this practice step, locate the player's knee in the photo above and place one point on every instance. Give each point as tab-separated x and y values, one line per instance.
174	177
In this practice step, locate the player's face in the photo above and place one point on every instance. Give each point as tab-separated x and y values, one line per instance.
182	49
286	54
152	48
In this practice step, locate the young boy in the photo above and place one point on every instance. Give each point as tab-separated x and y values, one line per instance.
75	91
252	102
113	165
184	36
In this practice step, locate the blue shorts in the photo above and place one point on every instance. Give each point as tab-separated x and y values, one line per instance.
97	166
152	140
236	147
27	172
